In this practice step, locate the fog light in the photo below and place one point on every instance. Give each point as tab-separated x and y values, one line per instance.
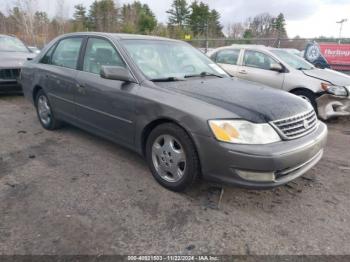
257	176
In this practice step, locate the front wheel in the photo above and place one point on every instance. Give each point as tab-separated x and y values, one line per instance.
307	96
44	112
172	157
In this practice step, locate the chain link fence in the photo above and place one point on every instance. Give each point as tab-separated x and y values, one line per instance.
296	43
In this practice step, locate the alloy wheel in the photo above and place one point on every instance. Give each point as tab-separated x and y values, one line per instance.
168	157
44	110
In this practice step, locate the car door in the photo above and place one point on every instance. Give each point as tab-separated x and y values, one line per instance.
256	67
104	105
227	59
59	70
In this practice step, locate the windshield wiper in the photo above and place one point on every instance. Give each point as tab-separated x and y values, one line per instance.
167	79
302	68
203	74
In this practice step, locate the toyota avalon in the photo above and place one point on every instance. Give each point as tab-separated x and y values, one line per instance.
170	103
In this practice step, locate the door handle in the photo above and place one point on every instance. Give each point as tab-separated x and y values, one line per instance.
243	72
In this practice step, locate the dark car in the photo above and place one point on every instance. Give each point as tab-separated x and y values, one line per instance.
170	103
13	54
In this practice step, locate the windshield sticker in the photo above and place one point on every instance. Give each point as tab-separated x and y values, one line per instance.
217	69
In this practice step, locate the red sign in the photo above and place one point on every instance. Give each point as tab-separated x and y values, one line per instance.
337	55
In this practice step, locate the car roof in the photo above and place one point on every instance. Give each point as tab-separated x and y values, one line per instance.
2	35
121	36
249	46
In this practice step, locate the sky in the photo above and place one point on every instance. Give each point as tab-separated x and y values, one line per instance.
305	18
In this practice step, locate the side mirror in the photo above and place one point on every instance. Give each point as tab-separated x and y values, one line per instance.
116	73
276	67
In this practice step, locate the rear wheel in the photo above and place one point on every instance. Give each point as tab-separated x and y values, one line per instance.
172	157
308	96
44	112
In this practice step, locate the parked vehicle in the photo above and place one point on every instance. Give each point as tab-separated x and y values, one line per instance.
170	103
13	53
34	49
327	90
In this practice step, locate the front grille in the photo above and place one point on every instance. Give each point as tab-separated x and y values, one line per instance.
296	126
9	74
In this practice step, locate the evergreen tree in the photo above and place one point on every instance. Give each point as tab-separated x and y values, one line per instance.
204	21
280	26
215	27
138	18
199	18
103	16
179	13
80	18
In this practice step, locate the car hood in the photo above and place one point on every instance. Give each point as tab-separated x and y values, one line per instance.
331	76
14	59
245	99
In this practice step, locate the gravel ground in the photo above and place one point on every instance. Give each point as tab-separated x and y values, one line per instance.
68	192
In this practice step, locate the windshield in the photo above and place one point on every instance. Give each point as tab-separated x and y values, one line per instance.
170	60
12	44
292	60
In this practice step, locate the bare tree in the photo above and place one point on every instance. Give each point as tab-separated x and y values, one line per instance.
235	30
23	14
61	15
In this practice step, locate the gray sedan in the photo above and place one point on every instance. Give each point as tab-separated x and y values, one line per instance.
170	103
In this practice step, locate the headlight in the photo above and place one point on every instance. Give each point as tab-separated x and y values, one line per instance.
243	132
334	90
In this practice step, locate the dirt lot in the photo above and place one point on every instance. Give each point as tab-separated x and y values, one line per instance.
68	192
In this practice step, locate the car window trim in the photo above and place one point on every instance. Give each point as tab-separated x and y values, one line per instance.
64	38
243	62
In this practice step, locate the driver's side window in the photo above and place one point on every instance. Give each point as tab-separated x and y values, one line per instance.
258	60
100	52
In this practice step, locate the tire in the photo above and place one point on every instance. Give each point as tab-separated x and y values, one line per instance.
43	108
165	160
308	96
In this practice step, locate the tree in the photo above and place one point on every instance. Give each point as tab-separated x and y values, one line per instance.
22	15
178	14
235	30
215	27
147	21
80	22
203	21
41	25
138	18
248	34
103	16
61	16
199	18
279	25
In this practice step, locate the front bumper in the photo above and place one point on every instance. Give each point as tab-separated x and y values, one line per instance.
10	86
221	162
330	106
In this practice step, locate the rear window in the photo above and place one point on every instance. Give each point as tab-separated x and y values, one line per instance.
12	44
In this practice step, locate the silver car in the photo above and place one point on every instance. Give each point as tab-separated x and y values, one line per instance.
327	90
13	54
